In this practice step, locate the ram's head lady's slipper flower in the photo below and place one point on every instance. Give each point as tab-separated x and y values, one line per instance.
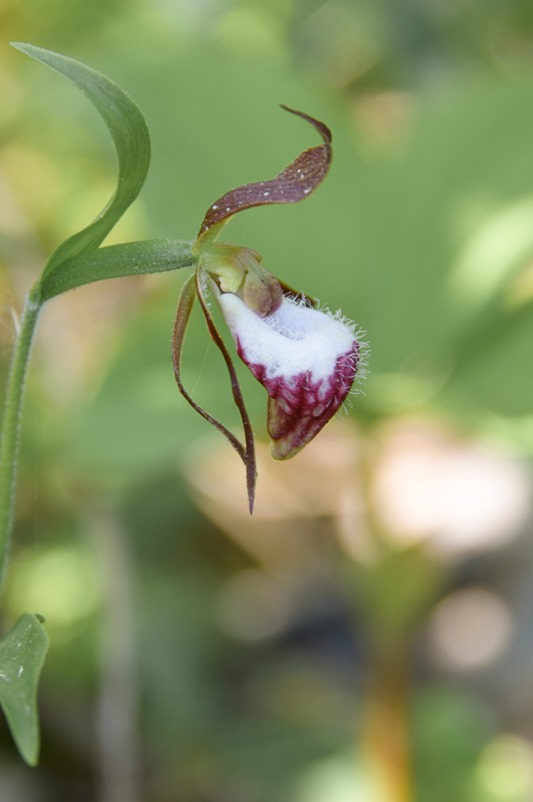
306	358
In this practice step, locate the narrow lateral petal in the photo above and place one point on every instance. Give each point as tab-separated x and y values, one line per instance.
248	453
183	313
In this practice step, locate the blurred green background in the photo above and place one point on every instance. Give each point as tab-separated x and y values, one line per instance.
367	636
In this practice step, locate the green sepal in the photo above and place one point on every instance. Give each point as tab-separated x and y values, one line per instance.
22	653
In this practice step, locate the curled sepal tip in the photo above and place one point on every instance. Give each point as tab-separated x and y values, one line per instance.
293	184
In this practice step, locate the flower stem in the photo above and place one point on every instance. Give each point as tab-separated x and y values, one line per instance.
10	429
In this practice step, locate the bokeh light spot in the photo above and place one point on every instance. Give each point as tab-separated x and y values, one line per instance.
505	769
470	629
60	583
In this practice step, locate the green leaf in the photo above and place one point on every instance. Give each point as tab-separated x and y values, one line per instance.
114	261
132	143
22	653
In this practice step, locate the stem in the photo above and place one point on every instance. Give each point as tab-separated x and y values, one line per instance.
10	431
386	734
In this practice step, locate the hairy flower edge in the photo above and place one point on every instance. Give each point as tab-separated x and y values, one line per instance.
307	359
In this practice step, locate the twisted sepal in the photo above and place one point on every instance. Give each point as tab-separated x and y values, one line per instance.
293	184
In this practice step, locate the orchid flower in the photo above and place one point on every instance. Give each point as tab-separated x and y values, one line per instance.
306	358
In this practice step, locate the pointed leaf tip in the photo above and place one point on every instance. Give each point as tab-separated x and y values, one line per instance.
293	184
22	653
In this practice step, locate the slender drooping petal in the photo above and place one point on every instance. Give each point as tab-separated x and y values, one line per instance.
305	358
190	290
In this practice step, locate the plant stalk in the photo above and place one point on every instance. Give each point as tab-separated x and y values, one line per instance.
11	420
386	731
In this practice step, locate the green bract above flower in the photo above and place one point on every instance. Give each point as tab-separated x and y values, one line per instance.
306	359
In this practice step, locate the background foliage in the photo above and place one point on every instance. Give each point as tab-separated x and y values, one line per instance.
384	585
